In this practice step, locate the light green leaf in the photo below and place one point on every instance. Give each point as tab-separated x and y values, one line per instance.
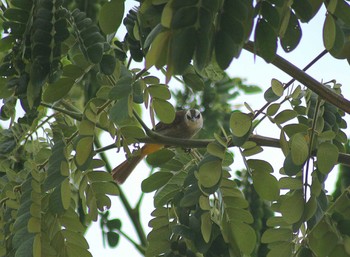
159	91
285	116
266	185
277	87
252	151
260	165
273	109
276	234
216	149
245	237
299	149
327	157
209	173
240	123
206	226
292	207
164	110
111	15
84	151
290	183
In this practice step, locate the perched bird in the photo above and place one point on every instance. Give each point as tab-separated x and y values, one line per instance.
185	125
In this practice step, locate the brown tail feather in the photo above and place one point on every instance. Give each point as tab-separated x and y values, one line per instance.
123	170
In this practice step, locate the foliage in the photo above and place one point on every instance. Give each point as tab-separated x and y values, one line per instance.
62	63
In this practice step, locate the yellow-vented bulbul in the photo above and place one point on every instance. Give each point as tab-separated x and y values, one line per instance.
185	125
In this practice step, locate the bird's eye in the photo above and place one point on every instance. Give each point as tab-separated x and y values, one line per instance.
188	116
198	116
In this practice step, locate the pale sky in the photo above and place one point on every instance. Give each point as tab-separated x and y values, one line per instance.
255	71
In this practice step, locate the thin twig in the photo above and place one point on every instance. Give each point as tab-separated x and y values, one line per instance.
317	87
318	57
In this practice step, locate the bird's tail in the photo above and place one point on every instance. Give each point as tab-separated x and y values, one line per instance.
123	170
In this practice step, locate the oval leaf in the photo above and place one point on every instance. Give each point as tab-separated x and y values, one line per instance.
327	157
155	181
266	185
240	123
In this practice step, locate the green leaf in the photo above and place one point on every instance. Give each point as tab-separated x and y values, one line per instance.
159	49
84	151
160	157
56	91
285	116
281	249
270	96
216	149
252	151
111	15
108	64
239	214
164	110
265	40
193	80
299	149
95	52
122	88
290	183
155	181
333	36
209	173
182	47
292	34
290	168
327	157
206	226
113	238
245	237
277	87
260	165
273	109
225	49
132	132
266	185
240	123
159	91
292	207
292	129
105	188
272	235
119	112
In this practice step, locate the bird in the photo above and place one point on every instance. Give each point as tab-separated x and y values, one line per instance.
185	125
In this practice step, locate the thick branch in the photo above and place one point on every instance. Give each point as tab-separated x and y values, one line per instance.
202	143
317	87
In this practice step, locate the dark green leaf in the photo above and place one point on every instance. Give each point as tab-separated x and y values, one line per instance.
292	34
113	238
265	40
155	181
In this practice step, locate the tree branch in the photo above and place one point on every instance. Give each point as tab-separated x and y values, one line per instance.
317	87
202	143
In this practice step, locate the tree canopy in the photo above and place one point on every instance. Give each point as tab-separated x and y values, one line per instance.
62	64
